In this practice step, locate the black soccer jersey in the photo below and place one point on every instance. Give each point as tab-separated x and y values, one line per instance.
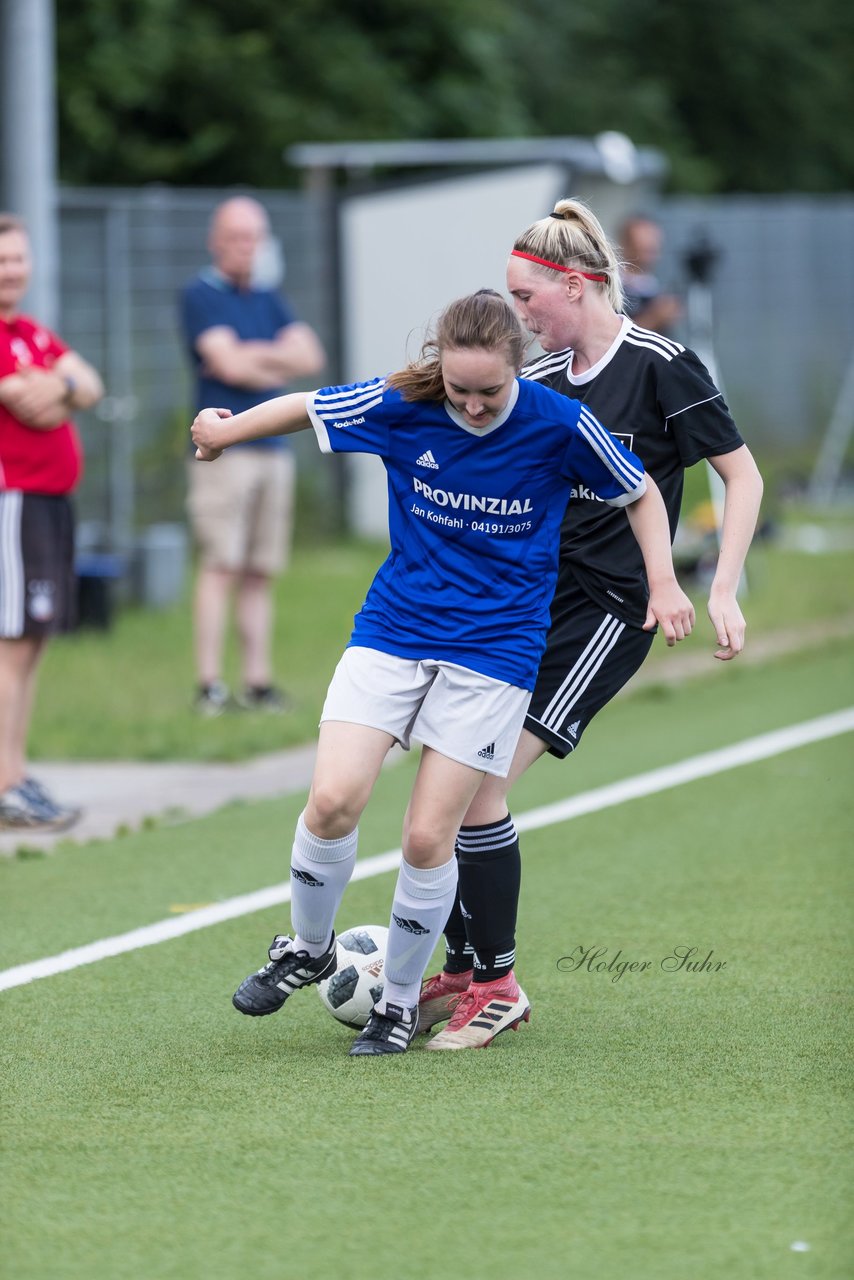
659	400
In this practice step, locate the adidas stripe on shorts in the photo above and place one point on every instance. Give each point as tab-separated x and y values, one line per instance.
38	588
590	654
468	717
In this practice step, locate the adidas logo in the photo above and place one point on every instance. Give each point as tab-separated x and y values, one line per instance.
409	926
427	460
305	877
487	753
573	729
492	1013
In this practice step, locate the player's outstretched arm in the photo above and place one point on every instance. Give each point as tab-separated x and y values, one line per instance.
743	485
668	604
216	429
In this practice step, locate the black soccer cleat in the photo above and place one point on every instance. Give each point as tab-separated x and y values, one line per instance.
389	1032
287	970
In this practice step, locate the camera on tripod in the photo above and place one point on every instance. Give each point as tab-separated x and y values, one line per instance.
700	258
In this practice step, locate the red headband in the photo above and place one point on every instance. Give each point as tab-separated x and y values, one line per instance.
544	262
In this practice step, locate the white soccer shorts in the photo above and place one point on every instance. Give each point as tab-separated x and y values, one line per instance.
466	716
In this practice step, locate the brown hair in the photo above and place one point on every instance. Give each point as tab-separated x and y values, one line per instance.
483	320
573	236
11	222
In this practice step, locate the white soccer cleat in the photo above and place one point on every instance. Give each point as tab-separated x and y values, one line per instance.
482	1013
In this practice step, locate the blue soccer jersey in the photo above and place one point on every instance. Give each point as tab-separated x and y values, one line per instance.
474	517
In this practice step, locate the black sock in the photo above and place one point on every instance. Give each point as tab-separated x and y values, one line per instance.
458	953
489	883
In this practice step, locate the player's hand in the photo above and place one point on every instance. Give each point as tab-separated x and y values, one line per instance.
207	434
728	622
671	609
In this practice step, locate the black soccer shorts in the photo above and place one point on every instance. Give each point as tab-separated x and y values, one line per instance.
590	654
37	581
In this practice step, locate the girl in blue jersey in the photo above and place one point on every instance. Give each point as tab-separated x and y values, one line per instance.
446	646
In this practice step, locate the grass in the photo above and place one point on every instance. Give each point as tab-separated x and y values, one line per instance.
662	1125
125	694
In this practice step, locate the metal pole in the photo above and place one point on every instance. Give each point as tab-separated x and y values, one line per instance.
831	455
27	91
700	261
120	408
701	340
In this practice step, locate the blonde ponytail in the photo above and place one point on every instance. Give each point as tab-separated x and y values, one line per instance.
572	236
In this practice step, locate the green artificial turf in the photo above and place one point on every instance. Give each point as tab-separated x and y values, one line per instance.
126	693
643	1127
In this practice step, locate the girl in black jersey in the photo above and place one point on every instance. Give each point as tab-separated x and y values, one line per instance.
659	400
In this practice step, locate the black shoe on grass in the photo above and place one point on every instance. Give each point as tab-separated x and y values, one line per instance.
266	698
389	1031
287	970
212	699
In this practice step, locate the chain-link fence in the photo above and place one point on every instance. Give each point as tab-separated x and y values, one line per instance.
125	255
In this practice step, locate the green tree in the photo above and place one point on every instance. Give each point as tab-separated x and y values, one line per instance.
211	91
763	92
740	96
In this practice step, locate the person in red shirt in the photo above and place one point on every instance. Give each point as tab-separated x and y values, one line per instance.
41	383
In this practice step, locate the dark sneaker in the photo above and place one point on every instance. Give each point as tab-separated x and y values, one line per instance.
63	813
25	808
267	990
212	699
265	698
391	1029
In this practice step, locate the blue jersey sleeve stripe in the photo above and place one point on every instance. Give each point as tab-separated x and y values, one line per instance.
626	499
343	402
608	449
349	399
345	415
352	388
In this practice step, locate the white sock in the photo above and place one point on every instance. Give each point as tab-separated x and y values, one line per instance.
422	901
320	871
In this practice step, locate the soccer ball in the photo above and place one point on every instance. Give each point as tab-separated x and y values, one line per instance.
357	982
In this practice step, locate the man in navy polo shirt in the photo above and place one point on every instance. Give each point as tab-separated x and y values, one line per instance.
246	345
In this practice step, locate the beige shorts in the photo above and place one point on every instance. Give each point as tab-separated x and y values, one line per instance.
466	716
241	509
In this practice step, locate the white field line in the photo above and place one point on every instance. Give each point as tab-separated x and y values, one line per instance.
644	784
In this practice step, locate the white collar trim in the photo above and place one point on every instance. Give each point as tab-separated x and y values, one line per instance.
498	422
580	379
